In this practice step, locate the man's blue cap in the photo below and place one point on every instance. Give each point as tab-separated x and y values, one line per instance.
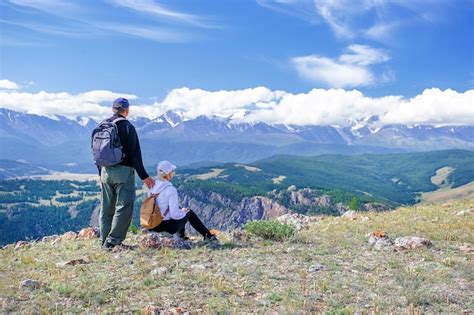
121	103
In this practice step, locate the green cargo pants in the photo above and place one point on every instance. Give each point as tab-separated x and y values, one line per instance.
117	197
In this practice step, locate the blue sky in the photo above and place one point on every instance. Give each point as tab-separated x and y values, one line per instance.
148	48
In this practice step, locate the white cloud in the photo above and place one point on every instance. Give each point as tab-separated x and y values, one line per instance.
78	22
349	19
159	34
329	72
153	8
349	70
364	55
89	104
8	85
260	104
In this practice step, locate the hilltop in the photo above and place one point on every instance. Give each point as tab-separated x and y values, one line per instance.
329	266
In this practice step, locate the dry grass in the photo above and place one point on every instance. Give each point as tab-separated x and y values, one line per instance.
214	173
327	268
441	175
445	194
279	179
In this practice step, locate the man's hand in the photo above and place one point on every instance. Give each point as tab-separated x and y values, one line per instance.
185	210
149	182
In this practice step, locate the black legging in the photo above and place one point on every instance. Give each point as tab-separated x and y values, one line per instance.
172	226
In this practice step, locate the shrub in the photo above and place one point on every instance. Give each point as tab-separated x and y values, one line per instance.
270	229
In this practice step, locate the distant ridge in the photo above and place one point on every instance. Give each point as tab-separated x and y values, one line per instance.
64	144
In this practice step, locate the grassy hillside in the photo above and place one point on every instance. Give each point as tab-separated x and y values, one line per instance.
327	268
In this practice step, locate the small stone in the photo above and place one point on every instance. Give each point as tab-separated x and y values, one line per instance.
412	242
159	271
20	244
30	284
197	267
315	267
351	215
466	247
466	212
72	262
88	233
151	310
49	238
364	219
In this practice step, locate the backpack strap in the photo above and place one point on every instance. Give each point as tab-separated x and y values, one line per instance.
118	119
167	209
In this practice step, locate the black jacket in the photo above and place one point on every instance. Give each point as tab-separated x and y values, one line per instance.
130	146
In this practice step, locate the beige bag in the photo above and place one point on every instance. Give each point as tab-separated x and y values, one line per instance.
150	214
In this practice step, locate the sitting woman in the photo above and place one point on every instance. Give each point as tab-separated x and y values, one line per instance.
175	219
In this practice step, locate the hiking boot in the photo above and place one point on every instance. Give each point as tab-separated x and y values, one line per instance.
108	246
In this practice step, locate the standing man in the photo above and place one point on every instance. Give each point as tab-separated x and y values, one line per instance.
118	181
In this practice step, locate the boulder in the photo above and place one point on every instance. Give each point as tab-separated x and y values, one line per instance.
351	215
30	284
299	221
375	207
88	233
21	244
411	242
157	240
379	240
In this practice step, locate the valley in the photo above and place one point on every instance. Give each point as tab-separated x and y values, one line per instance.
228	195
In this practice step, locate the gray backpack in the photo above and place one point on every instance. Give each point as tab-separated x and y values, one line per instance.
106	145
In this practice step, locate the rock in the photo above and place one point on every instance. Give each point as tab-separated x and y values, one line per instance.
20	244
411	242
324	201
68	236
159	271
151	310
351	215
158	240
88	233
379	240
197	267
466	212
342	208
466	247
30	284
49	238
299	221
364	219
72	262
315	267
375	207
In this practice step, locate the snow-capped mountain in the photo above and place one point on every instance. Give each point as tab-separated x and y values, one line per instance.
66	142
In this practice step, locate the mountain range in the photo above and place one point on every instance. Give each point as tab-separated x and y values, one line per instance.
60	143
